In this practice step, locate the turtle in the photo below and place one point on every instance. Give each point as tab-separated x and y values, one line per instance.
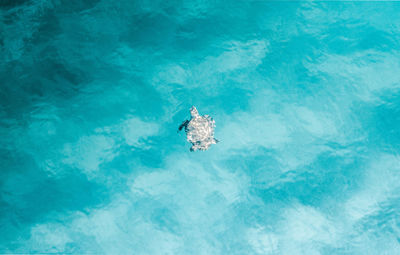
199	130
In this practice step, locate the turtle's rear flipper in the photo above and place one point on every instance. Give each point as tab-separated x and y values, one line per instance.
184	124
196	146
216	141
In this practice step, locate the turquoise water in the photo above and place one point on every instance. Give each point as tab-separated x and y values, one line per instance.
306	99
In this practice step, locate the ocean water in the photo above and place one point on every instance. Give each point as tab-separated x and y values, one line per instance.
306	99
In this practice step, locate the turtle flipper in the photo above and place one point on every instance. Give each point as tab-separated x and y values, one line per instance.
216	141
196	146
184	124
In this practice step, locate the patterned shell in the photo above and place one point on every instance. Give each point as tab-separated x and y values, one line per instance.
200	131
200	128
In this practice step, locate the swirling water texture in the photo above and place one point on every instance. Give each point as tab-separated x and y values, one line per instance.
307	106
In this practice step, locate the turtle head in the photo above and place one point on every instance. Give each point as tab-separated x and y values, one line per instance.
194	112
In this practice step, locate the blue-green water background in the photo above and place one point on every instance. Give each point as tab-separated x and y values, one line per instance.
306	98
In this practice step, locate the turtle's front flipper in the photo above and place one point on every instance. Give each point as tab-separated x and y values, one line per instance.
216	141
184	124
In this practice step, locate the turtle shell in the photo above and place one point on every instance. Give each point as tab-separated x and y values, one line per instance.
200	130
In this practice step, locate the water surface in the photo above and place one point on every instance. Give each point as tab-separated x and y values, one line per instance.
306	99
